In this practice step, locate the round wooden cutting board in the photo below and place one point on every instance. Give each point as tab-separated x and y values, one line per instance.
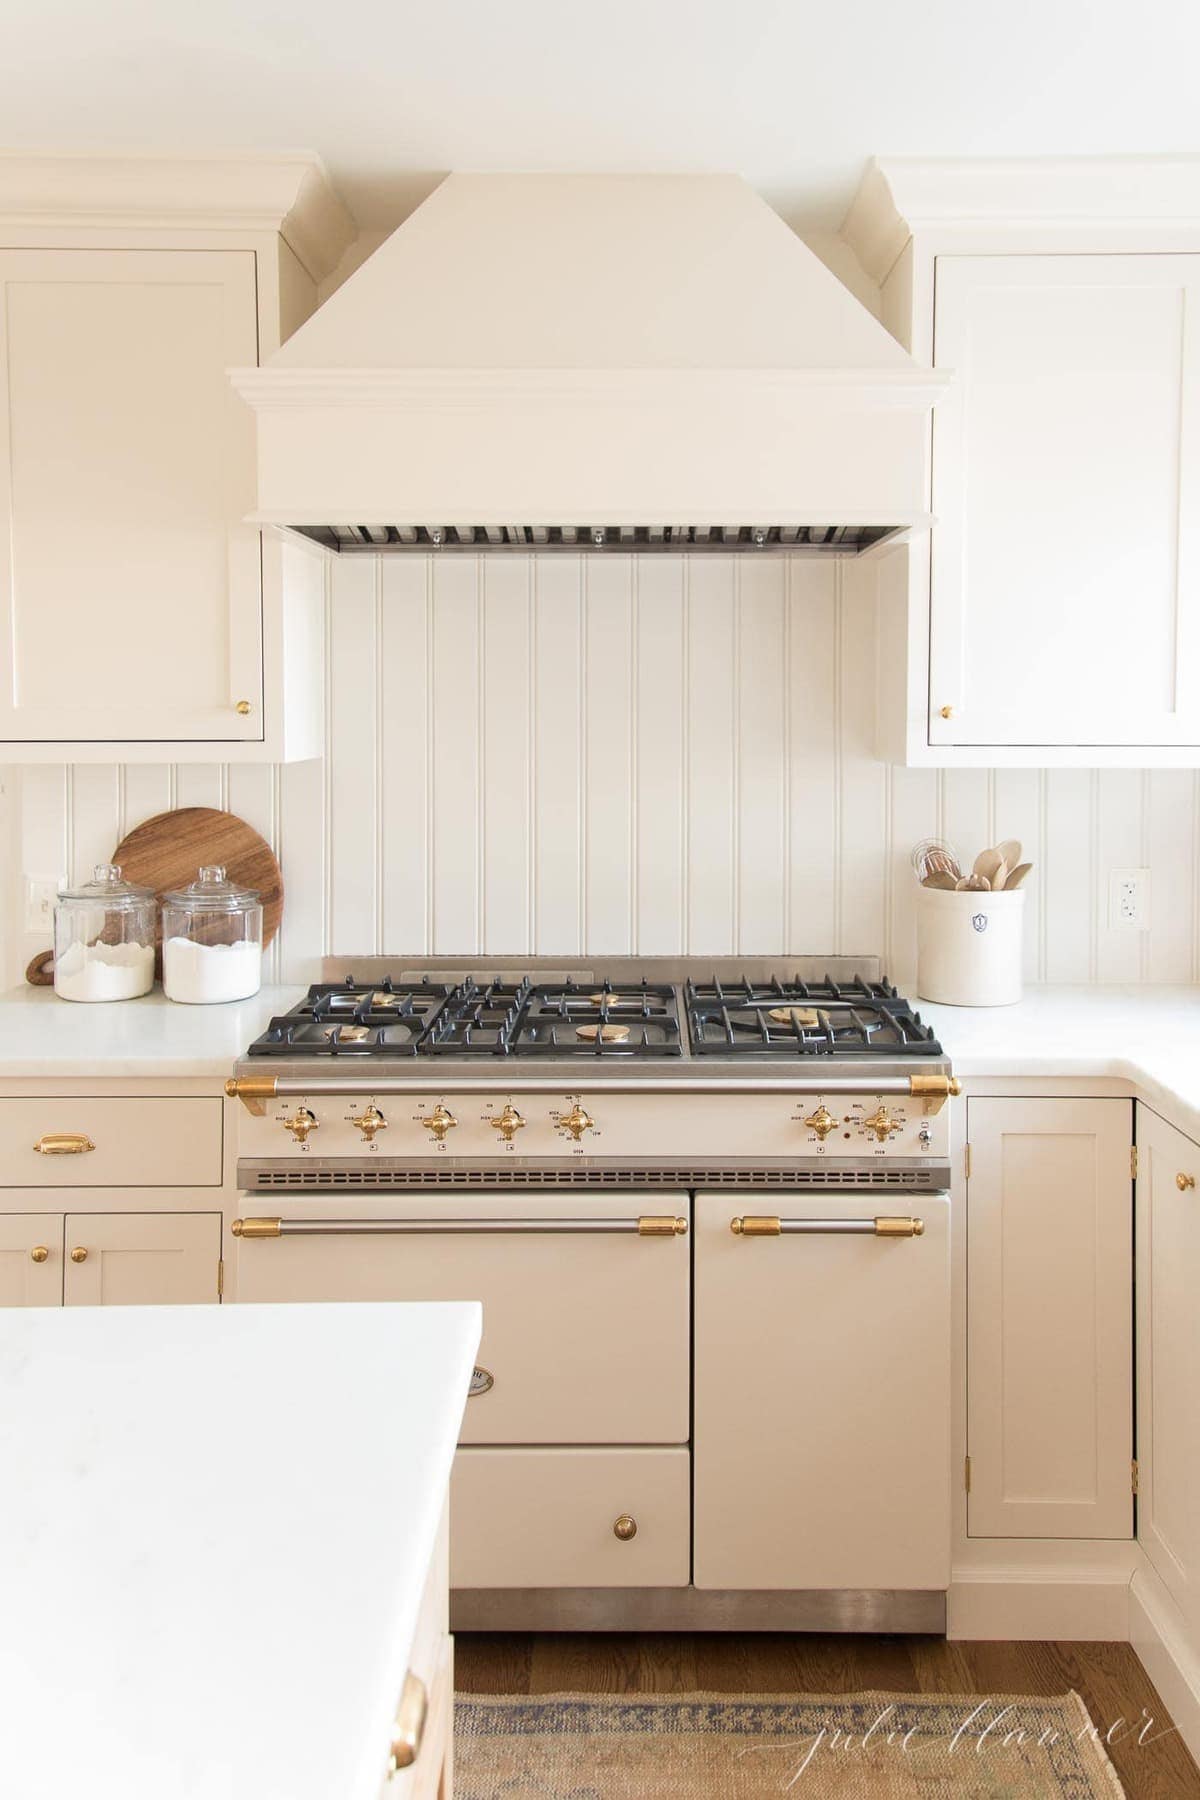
168	850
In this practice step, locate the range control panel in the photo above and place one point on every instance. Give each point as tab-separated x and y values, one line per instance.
548	1124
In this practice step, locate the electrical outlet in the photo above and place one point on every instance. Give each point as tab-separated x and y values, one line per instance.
41	891
1129	899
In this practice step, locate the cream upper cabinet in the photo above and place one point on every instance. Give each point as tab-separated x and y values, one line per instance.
1049	1332
142	616
1065	557
1168	1339
1050	617
130	585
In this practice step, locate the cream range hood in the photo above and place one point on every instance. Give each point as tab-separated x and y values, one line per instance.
567	362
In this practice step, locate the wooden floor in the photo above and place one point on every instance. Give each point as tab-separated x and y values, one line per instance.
1108	1677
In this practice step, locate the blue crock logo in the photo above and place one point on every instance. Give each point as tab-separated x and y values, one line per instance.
979	921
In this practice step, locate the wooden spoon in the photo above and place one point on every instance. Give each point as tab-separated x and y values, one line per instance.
973	884
1017	876
937	878
1010	850
1000	877
986	865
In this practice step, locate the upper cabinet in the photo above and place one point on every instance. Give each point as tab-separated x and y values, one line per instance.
1052	616
141	616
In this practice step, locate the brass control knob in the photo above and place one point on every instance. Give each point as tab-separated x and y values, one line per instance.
822	1122
79	1254
880	1122
440	1121
302	1124
1184	1182
507	1123
577	1122
625	1527
370	1121
39	1253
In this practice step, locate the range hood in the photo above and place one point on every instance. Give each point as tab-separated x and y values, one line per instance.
587	362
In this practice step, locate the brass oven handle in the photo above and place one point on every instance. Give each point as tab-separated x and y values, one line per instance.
769	1226
649	1225
255	1090
409	1728
64	1143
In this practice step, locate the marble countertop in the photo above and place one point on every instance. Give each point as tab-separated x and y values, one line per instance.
43	1038
215	1527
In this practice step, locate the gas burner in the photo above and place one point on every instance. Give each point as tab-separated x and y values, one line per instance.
803	1018
523	1019
602	1034
387	1018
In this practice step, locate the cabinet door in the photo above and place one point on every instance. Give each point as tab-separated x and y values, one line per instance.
31	1259
822	1400
130	588
142	1259
1049	1327
1066	489
1168	1327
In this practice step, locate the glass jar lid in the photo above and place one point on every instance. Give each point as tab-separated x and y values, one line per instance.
106	888
212	892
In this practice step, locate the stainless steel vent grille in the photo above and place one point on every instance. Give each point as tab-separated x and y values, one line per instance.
725	540
259	1180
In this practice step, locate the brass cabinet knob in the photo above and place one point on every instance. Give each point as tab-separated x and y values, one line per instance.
243	709
369	1121
880	1122
507	1123
301	1124
79	1254
625	1527
440	1121
822	1122
1184	1182
945	712
577	1122
39	1253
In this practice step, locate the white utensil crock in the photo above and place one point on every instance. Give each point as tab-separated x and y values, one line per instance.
969	947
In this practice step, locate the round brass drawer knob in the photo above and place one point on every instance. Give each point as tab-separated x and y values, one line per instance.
79	1254
39	1253
243	709
625	1527
1184	1182
945	712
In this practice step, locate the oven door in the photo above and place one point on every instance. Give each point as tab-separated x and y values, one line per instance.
585	1297
822	1423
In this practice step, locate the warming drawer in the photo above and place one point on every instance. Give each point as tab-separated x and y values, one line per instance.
586	1296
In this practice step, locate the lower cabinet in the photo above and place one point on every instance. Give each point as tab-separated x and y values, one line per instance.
1168	1334
110	1259
1049	1326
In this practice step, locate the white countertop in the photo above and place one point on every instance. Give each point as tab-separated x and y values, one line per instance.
43	1038
215	1525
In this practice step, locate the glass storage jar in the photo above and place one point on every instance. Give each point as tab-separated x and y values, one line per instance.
104	939
212	940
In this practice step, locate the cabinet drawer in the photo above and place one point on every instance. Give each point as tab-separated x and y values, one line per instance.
545	1518
110	1143
431	1664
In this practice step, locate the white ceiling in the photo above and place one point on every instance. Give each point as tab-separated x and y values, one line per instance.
794	96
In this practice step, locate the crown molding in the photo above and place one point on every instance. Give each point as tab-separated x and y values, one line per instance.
288	193
901	196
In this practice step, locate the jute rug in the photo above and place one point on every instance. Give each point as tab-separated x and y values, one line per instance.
872	1746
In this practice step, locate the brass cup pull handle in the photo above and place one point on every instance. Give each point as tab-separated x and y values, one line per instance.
1183	1182
79	1254
64	1143
409	1727
625	1527
39	1253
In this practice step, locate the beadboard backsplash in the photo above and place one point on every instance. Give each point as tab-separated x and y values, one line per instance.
633	755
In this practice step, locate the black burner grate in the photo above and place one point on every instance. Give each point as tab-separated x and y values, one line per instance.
803	1018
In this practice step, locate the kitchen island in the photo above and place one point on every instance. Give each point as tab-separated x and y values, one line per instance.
217	1532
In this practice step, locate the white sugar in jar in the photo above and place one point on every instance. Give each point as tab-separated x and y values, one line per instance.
212	941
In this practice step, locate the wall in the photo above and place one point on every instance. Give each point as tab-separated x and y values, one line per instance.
652	755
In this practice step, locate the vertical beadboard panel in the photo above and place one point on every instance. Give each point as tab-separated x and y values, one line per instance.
762	758
1069	860
609	641
146	790
1017	813
455	697
557	726
94	791
1171	849
252	792
863	835
406	645
967	813
507	590
810	652
660	738
1119	845
303	857
353	738
712	736
915	813
198	784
